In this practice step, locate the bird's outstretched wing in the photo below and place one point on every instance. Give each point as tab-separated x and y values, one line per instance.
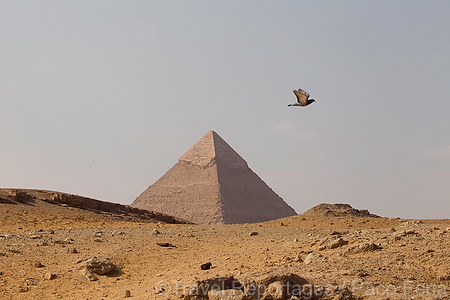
302	96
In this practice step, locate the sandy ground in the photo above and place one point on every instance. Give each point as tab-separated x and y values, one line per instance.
44	247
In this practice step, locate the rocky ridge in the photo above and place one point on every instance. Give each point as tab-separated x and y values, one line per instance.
114	210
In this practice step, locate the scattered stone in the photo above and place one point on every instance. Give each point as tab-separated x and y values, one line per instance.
444	277
12	250
338	243
201	288
31	281
206	266
253	233
327	244
117	233
24	288
230	294
49	276
127	294
345	294
297	259
312	257
169	245
361	273
73	250
65	242
411	223
37	264
275	291
34	237
156	231
99	266
43	243
334	232
85	273
363	247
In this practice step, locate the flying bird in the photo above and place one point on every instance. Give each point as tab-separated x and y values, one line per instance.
302	98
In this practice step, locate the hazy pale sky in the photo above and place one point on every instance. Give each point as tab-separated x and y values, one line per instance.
101	98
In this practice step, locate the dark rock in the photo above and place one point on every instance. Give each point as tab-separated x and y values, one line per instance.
206	266
127	294
22	197
166	245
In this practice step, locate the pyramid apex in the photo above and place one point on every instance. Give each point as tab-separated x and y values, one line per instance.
211	147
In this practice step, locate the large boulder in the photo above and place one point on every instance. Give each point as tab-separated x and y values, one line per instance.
99	265
277	284
202	288
230	294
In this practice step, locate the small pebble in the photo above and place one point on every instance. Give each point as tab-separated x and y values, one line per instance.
37	264
49	276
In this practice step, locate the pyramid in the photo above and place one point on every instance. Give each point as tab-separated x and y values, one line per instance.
211	183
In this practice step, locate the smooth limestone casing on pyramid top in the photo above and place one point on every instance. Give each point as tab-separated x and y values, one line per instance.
210	147
212	183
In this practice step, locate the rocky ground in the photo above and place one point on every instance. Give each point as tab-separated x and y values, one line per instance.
50	251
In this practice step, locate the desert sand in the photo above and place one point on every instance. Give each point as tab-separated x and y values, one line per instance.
51	250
